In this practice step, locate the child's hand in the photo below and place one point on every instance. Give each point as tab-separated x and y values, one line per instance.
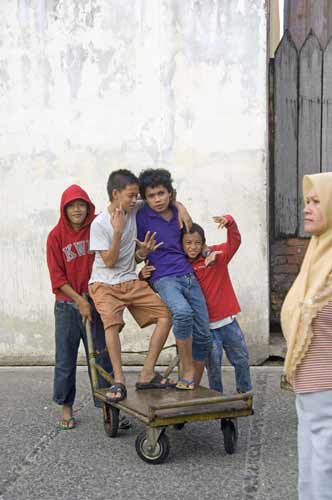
148	245
146	271
118	219
84	309
221	221
211	258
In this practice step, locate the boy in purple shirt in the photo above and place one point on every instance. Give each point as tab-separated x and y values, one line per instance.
173	277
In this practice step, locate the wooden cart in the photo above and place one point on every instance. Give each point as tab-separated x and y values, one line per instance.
159	408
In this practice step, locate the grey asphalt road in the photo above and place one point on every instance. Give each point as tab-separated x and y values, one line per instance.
39	462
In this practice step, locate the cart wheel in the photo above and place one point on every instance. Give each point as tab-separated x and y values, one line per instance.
111	420
156	456
230	432
179	426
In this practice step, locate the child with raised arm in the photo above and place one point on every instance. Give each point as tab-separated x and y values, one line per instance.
70	263
173	277
213	276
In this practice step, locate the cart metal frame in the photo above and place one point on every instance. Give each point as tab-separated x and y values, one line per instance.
160	408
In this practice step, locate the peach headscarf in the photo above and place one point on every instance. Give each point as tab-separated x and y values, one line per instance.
312	289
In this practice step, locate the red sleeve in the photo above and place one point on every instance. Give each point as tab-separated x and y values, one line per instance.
233	240
55	263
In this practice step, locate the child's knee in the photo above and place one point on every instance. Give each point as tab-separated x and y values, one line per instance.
182	315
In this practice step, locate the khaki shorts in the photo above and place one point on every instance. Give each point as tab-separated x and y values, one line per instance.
143	303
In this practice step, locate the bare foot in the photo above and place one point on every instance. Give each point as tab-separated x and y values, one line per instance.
188	375
67	412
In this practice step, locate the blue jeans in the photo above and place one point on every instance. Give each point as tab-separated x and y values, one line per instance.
69	331
231	339
185	300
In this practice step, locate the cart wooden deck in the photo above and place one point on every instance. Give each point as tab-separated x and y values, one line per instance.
162	407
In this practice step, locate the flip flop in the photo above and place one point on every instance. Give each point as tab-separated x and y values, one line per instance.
117	388
66	424
185	385
155	383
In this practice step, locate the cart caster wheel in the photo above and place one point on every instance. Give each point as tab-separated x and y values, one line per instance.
179	426
111	420
156	456
230	432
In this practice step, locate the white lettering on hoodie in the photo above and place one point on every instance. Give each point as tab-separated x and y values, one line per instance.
80	247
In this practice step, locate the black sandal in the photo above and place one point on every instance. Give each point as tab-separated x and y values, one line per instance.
117	388
157	382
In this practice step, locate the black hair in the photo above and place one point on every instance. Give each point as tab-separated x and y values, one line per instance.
195	228
119	180
153	177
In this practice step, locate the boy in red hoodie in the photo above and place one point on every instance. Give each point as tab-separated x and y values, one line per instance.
213	276
70	262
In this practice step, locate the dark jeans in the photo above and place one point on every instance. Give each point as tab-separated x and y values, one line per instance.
69	331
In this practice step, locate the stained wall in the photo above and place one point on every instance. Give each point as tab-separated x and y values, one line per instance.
88	86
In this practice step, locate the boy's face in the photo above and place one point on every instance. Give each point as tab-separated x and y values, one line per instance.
158	198
192	245
127	197
76	212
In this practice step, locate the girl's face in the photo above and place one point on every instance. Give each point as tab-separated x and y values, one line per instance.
313	216
76	212
192	245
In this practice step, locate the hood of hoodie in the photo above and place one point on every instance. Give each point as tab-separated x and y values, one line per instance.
75	192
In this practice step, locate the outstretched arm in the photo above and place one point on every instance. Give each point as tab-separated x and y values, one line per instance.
233	235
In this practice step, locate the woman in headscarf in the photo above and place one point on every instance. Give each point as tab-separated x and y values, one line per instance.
306	319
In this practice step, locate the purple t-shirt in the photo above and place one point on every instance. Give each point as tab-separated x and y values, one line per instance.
169	259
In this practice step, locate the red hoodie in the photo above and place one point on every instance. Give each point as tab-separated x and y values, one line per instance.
68	257
215	280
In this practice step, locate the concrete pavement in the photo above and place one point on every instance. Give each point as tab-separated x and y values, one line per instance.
40	463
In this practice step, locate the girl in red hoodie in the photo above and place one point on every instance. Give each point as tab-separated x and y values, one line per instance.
70	263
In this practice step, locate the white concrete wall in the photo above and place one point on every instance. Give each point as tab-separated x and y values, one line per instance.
88	86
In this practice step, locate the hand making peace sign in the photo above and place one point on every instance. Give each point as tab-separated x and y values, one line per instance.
118	219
